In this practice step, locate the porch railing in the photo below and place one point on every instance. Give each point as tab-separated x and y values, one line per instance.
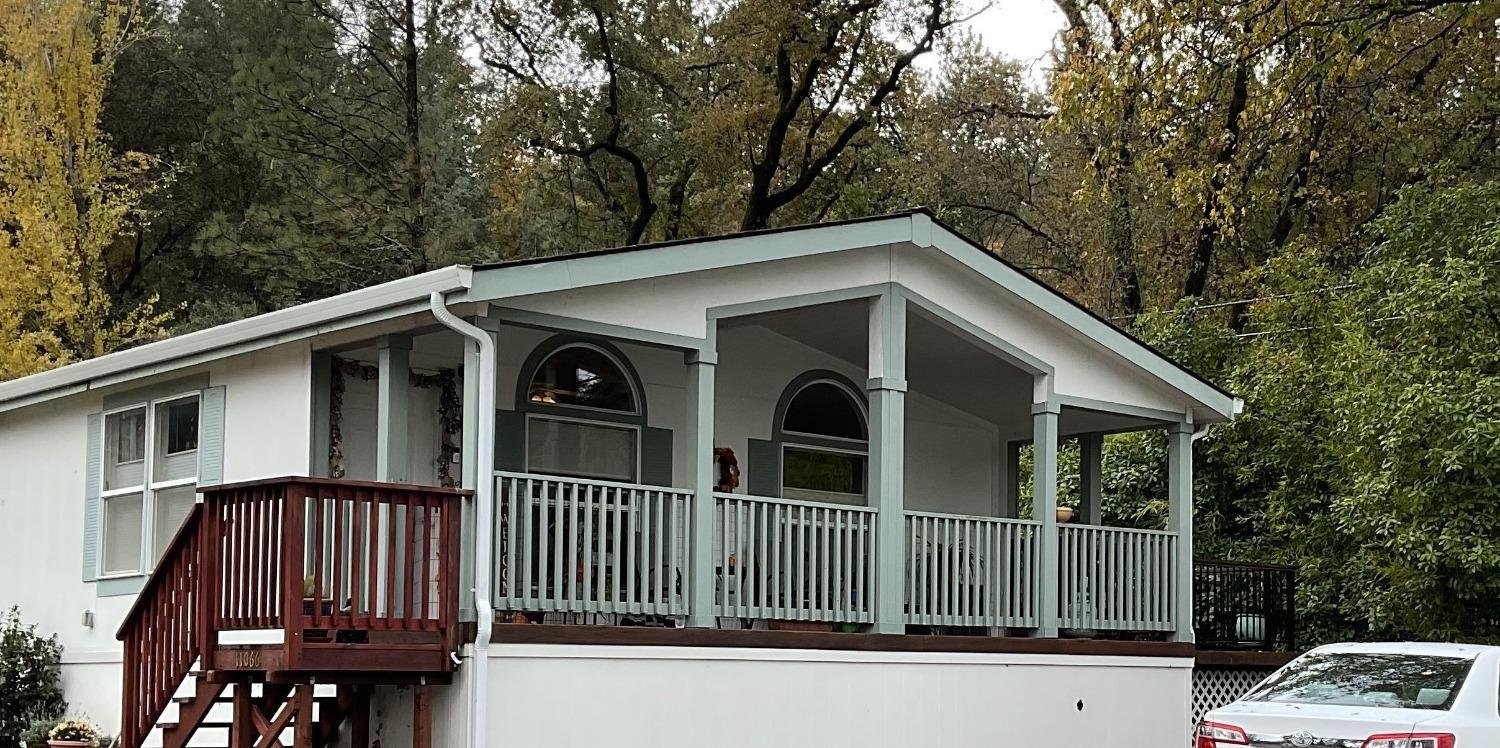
971	571
782	559
1238	605
585	546
1115	578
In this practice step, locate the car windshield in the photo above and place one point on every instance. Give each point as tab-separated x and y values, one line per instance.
1402	681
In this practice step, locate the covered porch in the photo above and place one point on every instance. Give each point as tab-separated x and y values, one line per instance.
859	460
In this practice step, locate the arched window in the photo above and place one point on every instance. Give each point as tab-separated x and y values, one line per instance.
584	412
824	440
582	376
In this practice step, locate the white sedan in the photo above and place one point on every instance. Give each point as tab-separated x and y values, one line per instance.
1368	696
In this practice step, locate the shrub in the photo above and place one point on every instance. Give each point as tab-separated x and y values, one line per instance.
29	688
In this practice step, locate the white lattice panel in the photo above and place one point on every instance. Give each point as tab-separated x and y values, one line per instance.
1214	687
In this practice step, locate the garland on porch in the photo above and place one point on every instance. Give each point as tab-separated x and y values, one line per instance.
450	413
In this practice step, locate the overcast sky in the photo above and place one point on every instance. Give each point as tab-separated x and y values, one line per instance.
1023	30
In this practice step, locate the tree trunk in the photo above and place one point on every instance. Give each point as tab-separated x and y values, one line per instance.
1196	282
416	178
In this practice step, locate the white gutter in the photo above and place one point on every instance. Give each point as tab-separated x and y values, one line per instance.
385	301
484	513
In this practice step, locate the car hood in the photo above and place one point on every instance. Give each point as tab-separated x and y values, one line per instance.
1320	721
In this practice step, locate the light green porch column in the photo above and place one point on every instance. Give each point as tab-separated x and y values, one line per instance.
1044	416
700	444
473	372
1180	521
391	457
887	391
322	395
1090	485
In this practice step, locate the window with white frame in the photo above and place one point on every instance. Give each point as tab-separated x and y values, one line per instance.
150	479
584	417
824	444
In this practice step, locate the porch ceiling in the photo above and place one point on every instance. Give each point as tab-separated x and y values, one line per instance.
944	365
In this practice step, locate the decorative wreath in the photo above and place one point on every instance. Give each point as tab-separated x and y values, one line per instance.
729	469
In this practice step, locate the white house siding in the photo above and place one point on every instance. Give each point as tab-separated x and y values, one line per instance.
42	453
666	697
677	304
41	548
267	402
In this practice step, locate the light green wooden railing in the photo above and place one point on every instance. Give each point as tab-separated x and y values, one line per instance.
587	546
793	560
1115	578
966	570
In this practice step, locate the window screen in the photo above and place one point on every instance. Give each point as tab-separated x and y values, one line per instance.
122	534
124	449
823	475
580	449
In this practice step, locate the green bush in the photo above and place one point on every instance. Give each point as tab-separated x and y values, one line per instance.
29	687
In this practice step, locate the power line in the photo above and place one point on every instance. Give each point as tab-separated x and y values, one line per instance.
1222	304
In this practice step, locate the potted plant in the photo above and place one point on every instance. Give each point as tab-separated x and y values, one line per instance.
35	735
73	733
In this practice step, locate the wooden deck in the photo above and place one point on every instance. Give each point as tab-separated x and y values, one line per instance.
352	583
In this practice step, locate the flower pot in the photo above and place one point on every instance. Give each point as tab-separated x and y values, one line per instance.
70	744
1065	515
1250	628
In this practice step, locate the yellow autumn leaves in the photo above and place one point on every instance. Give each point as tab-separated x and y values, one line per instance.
64	191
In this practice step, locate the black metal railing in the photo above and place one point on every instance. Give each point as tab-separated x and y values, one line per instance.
1239	605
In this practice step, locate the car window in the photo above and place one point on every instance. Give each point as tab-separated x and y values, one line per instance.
1368	679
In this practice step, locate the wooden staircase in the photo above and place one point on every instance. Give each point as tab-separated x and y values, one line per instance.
273	589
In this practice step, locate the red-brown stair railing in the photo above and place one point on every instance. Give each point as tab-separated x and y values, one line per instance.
295	554
334	555
162	633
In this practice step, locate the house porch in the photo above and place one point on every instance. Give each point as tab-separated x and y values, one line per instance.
902	509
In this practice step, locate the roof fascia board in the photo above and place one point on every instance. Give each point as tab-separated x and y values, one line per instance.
384	301
559	323
709	254
1036	294
795	301
1118	409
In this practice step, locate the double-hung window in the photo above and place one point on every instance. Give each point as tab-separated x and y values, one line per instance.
149	481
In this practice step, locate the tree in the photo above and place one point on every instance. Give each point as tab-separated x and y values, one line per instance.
65	193
29	687
302	165
1222	132
627	112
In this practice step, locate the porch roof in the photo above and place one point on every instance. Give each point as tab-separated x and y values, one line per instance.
917	227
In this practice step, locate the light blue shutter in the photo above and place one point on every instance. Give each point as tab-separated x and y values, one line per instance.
93	471
656	457
211	437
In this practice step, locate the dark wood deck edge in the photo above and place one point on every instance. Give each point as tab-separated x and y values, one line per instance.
516	633
1269	660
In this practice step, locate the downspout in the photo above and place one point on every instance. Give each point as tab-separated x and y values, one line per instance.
484	513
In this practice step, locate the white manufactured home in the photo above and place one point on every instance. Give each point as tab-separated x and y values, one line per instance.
753	490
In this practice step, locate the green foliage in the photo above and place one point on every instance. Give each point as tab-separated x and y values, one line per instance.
1367	453
29	687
